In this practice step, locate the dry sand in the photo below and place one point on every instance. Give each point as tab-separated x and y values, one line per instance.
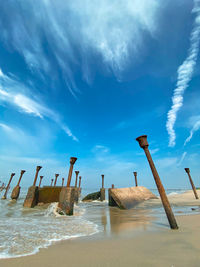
157	247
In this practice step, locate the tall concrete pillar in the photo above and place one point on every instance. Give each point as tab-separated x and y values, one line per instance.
33	191
8	186
41	177
77	172
102	190
17	188
191	182
67	194
56	177
135	174
142	140
76	188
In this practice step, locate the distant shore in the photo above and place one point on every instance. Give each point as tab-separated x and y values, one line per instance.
157	247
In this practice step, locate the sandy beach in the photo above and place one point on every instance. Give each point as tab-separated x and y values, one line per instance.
156	245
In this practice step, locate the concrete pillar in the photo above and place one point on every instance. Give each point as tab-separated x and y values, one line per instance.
79	185
102	190
72	161
8	185
135	174
51	182
31	197
56	177
111	201
17	188
67	194
191	182
63	179
77	173
142	140
38	168
41	177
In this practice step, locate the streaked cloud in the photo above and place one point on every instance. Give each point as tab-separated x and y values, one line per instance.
185	72
12	92
111	29
195	128
182	158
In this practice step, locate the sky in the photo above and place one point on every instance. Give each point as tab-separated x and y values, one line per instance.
85	78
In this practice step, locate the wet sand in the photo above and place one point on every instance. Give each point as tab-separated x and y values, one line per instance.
157	246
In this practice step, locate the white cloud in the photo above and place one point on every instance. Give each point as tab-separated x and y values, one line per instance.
185	72
112	29
182	158
195	128
6	128
9	94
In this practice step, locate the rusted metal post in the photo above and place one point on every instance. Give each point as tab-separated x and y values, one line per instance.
102	180
38	168
192	184
77	172
63	179
16	190
41	177
56	177
142	140
79	184
135	174
113	186
72	161
21	174
51	182
8	185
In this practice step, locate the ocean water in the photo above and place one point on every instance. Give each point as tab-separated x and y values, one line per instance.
24	231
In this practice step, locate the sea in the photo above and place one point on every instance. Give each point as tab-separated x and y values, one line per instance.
24	231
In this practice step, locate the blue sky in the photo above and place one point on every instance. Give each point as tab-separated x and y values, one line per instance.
84	78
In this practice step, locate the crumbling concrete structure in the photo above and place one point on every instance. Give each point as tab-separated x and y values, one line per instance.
17	188
126	198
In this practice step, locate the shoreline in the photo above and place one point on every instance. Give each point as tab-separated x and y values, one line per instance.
163	247
138	243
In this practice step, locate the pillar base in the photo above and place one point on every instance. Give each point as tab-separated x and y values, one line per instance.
16	192
66	200
102	194
76	197
31	197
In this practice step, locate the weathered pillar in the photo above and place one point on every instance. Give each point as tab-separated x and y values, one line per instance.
142	140
63	179
76	189
67	194
51	182
135	174
79	184
102	190
72	161
33	192
192	184
56	177
77	172
8	186
17	188
111	201
38	168
41	177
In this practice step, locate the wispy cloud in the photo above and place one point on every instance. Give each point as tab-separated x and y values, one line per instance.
182	158
112	30
185	72
10	93
195	128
